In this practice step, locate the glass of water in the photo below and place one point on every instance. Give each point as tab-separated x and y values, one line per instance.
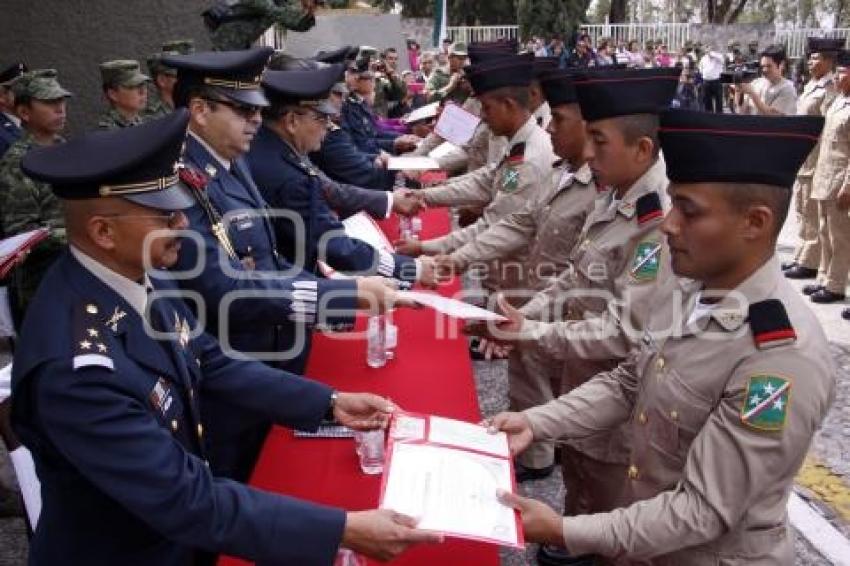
370	450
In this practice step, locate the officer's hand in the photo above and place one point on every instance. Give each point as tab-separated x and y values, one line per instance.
407	202
509	330
382	160
516	426
379	294
382	534
409	247
363	411
492	350
448	266
428	272
842	201
540	523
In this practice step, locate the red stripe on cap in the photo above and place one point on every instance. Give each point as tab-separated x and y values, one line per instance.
650	216
738	133
784	334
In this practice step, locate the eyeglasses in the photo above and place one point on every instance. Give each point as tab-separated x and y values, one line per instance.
244	111
172	219
319	118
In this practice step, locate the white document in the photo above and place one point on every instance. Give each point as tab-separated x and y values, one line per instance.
422	113
452	492
5	382
451	307
468	435
456	124
442	150
362	227
28	482
412	163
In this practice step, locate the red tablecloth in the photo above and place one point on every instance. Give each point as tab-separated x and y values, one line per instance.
430	374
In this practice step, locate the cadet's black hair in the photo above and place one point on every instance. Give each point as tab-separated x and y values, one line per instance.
636	126
745	195
774	52
516	93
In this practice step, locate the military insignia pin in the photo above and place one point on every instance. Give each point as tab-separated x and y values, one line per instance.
181	328
766	404
510	179
115	319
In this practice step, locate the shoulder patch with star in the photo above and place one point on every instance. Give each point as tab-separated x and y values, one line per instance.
91	348
770	324
646	261
766	404
648	208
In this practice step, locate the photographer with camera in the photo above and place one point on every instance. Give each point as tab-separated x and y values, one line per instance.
771	94
390	89
710	67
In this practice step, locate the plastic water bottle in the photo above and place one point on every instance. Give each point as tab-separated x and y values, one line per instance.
390	338
416	226
370	450
405	228
347	557
376	349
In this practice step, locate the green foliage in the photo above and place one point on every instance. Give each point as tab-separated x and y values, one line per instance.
546	17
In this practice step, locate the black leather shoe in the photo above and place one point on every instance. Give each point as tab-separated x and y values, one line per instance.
786	265
524	474
845	314
825	296
800	272
557	556
812	289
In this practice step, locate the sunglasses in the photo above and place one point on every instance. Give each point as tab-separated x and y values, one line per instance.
171	219
245	111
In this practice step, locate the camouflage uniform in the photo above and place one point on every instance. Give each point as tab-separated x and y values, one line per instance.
120	74
254	18
157	107
112	118
25	205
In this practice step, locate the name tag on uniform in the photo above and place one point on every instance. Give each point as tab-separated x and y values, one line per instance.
242	222
161	397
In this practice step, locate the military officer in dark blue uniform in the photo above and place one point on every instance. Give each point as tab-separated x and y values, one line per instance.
294	124
255	302
111	410
359	120
10	124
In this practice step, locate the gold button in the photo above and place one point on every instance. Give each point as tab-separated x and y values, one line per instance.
191	394
174	425
200	430
91	309
642	418
633	472
674	414
659	363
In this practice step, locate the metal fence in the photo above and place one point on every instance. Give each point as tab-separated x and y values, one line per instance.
795	39
468	34
673	36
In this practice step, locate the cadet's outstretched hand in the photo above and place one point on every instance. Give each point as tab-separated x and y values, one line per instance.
539	521
382	534
363	411
409	247
516	426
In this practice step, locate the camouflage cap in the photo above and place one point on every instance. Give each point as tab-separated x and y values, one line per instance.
173	47
367	52
40	84
459	49
122	73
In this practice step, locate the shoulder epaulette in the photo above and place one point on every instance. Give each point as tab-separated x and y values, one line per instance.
90	345
770	324
648	208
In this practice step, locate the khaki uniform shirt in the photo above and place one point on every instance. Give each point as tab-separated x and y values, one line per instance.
717	434
831	173
502	188
815	99
547	226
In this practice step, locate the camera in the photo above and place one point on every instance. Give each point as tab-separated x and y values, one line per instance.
738	74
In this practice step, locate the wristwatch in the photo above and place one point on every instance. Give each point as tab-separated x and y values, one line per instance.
329	414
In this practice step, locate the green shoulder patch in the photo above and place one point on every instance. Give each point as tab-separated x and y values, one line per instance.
766	405
646	261
510	179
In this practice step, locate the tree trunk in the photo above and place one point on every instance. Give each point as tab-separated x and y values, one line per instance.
617	13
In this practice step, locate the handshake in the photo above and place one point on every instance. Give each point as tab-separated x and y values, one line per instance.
407	202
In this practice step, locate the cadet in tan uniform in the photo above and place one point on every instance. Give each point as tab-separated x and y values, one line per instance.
586	320
831	190
817	95
502	88
722	399
548	227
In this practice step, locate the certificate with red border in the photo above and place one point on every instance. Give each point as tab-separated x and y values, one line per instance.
446	473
